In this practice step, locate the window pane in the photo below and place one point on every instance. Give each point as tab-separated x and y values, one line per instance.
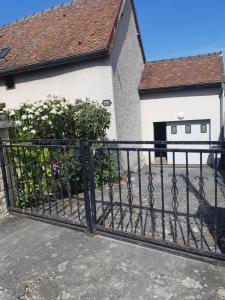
188	129
203	128
173	129
9	82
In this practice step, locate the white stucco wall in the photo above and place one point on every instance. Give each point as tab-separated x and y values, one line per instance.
127	66
115	78
195	104
91	79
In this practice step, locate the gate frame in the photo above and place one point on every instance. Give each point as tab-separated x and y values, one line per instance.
86	153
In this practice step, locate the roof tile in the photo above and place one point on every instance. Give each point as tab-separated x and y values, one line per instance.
195	70
74	28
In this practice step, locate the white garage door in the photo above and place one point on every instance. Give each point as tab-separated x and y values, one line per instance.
188	131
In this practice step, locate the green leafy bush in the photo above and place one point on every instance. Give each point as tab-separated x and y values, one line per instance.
44	172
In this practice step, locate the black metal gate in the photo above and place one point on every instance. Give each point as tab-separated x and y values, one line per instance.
47	179
122	189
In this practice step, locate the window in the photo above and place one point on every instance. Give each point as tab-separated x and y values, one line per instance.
3	52
173	129
203	128
9	82
188	129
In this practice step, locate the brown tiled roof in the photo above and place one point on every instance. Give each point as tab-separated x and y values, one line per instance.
72	29
187	71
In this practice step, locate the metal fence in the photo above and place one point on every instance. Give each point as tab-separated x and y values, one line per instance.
126	189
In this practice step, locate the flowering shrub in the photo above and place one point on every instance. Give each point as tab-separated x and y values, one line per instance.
57	118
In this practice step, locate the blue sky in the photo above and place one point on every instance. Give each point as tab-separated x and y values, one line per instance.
170	28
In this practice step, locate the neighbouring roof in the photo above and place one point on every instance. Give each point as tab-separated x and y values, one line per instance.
183	72
81	27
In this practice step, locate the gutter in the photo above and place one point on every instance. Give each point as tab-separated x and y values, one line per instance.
178	88
57	62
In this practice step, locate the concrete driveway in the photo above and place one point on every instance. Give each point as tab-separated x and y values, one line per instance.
207	230
45	262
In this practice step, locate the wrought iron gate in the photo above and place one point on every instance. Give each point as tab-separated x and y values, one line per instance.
125	189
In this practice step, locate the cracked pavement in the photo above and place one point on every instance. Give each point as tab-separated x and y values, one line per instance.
45	262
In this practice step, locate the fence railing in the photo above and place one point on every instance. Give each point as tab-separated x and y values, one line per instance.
173	197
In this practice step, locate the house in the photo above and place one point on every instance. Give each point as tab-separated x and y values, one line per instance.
182	100
93	49
82	49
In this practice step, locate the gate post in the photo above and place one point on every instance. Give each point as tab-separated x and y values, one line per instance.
4	163
90	154
87	202
4	188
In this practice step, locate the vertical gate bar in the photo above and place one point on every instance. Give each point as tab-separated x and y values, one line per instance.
21	183
120	193
68	177
162	195
151	195
85	185
188	204
4	176
27	179
140	190
201	201
111	195
53	182
216	203
40	179
46	179
174	198
59	165
129	187
33	182
101	153
76	186
92	184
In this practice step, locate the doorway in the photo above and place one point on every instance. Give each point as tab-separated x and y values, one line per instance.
160	135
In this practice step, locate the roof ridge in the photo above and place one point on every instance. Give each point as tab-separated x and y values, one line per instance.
39	13
187	57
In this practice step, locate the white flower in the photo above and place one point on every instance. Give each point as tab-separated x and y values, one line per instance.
36	104
12	113
53	111
25	128
18	123
4	109
60	112
45	106
44	117
33	131
24	117
50	122
58	105
37	113
30	116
